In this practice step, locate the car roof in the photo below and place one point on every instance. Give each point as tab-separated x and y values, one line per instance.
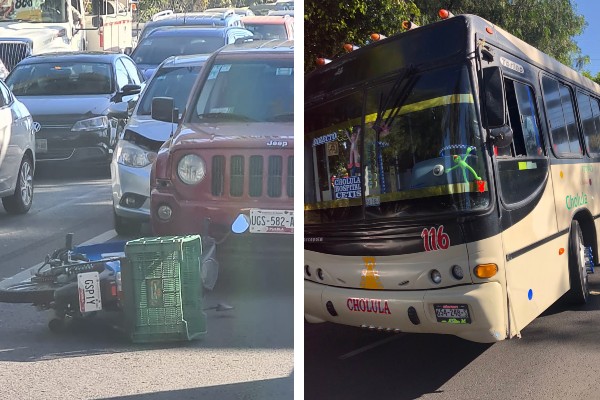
259	46
191	31
239	11
213	17
266	19
184	61
80	56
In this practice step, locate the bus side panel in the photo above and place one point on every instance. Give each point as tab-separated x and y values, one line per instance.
576	187
536	272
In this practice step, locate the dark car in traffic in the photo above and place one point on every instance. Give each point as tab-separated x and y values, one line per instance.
178	41
69	94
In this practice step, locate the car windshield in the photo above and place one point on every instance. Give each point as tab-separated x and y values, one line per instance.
154	50
267	32
33	11
60	78
256	90
175	82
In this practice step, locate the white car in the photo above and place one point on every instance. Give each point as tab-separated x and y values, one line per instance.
17	153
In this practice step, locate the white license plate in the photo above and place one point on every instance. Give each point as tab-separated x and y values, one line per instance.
41	145
90	298
452	313
271	221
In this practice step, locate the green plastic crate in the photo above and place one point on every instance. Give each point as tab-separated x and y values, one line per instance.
162	289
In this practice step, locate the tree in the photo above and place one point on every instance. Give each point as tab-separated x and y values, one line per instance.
330	24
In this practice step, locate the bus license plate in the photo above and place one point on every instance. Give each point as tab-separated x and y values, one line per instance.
452	313
271	221
89	292
41	145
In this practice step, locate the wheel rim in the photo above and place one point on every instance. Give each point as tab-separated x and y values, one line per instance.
26	183
583	267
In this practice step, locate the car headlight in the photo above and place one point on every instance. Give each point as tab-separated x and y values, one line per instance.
191	169
132	155
91	124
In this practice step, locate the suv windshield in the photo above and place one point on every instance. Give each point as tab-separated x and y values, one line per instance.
154	50
248	90
60	78
423	155
175	82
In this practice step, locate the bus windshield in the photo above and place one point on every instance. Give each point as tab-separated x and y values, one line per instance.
34	11
405	146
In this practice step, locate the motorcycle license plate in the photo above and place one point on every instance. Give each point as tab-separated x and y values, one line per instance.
90	298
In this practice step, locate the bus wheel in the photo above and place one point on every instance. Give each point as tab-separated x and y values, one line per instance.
578	277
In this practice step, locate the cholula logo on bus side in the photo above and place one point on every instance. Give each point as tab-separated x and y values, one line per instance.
576	201
377	306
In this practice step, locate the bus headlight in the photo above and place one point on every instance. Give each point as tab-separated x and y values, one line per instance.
436	277
457	272
191	169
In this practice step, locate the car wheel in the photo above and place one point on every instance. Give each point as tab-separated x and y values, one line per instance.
20	201
126	227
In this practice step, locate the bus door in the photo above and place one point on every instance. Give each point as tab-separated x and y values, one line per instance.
525	200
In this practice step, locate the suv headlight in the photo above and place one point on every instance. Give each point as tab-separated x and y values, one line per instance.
91	124
191	169
132	155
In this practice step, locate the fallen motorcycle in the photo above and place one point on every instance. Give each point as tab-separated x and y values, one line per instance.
78	282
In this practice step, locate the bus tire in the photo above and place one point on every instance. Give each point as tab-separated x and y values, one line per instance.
578	278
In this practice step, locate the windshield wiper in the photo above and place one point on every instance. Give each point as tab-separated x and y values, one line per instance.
231	116
403	84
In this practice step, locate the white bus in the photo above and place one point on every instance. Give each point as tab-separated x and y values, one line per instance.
451	177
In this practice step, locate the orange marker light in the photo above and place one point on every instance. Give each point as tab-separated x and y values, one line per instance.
133	6
323	61
485	270
377	36
561	251
445	14
489	30
408	25
350	47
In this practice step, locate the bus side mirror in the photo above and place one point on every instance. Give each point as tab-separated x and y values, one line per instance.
97	22
495	107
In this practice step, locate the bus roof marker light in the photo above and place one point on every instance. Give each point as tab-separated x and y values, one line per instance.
350	47
484	271
445	14
322	61
489	30
377	37
408	25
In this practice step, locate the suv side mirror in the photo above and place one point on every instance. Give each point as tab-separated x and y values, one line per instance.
118	110
163	109
130	89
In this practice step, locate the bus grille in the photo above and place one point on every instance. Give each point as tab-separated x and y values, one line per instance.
11	52
256	183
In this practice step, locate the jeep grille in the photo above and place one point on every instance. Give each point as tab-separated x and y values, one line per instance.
256	183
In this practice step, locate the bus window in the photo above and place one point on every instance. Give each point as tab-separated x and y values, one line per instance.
561	118
520	177
590	120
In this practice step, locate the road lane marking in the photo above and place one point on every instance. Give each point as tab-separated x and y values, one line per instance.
369	346
26	274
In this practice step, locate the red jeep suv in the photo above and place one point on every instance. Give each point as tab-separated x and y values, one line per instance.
228	170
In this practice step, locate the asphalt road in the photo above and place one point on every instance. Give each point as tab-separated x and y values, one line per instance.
247	352
558	357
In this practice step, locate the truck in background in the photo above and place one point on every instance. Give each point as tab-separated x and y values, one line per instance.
30	27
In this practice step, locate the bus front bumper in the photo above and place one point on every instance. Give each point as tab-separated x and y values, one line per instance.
389	310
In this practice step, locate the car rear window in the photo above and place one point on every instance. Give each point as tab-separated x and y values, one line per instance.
249	90
60	78
267	32
154	50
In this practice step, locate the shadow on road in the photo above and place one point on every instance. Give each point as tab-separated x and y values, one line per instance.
402	366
